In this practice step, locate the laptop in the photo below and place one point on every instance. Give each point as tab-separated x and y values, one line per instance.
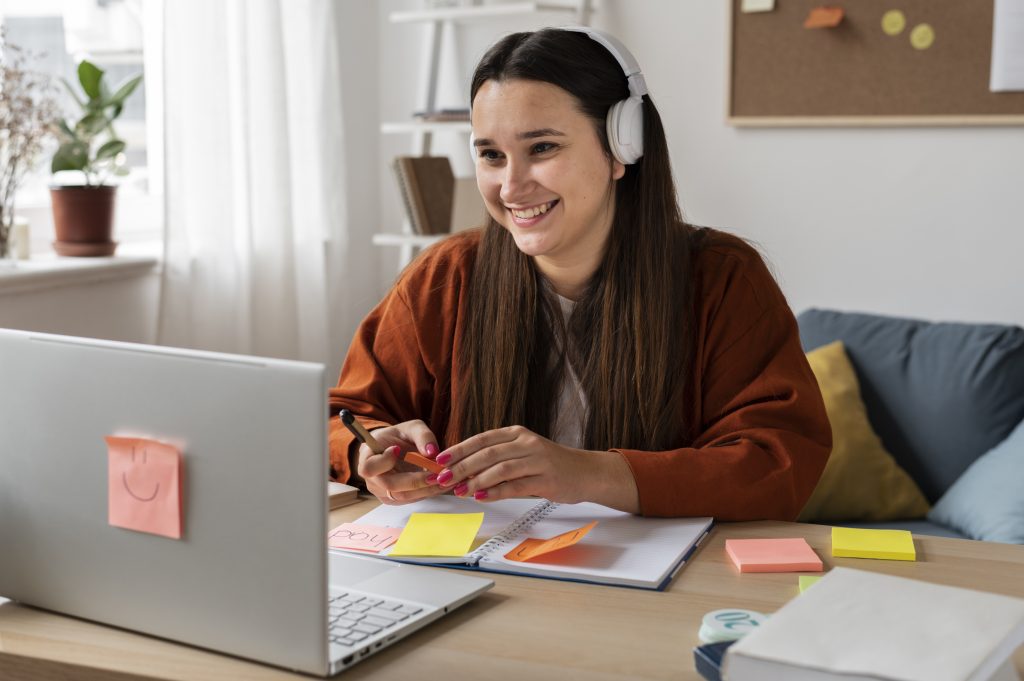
251	574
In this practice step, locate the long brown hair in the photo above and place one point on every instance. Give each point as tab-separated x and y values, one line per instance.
630	337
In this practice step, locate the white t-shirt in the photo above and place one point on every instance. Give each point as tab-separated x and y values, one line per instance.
571	412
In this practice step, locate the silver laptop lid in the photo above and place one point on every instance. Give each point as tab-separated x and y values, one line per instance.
248	576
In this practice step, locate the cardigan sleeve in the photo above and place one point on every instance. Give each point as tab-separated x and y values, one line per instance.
379	377
763	434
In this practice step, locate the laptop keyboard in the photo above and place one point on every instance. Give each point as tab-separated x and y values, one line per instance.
353	618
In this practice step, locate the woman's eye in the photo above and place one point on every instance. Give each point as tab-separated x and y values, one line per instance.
489	155
541	147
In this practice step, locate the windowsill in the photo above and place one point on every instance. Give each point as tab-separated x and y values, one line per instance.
48	271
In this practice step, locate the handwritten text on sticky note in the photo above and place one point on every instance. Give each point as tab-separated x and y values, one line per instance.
531	548
144	480
438	534
370	538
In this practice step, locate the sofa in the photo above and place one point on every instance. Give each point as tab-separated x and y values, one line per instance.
945	401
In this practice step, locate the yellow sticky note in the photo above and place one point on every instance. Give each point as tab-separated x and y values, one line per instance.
438	534
850	542
531	548
806	581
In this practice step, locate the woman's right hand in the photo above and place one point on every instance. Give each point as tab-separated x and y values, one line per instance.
395	482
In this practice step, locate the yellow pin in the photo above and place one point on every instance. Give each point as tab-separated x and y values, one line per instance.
893	22
922	36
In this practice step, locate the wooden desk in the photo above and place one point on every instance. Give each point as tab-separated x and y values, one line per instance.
523	628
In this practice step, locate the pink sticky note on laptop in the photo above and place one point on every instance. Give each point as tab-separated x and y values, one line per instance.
144	486
773	555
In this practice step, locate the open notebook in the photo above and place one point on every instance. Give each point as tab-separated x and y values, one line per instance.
623	549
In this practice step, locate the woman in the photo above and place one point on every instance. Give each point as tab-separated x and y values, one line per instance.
586	344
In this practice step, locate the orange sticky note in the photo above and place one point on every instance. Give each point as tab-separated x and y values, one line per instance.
370	538
773	555
530	548
824	17
417	459
144	486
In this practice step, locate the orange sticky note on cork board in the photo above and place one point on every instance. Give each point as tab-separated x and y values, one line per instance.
144	480
824	17
531	548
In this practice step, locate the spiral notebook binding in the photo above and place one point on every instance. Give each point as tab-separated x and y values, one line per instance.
524	522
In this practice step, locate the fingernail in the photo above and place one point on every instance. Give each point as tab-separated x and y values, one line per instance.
443	458
461	489
430	450
432	478
445	477
396	451
480	494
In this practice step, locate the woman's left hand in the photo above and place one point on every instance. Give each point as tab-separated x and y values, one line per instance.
516	462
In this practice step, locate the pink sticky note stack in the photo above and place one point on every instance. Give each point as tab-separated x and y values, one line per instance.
773	555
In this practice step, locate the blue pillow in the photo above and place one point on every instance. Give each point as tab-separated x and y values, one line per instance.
939	395
987	502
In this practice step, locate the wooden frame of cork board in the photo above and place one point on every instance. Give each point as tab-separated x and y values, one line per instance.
782	74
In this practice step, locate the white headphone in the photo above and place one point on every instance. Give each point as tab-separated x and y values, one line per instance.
625	122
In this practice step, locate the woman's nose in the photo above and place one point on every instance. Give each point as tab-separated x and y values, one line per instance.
516	182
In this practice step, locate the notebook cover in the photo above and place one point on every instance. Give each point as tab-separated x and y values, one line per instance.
707	659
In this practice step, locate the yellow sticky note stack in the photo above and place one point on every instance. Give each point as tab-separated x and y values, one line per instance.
850	542
438	534
806	581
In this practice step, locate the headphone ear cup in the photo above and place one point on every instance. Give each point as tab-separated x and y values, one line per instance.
625	126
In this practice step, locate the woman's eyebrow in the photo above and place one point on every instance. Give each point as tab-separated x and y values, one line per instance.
528	135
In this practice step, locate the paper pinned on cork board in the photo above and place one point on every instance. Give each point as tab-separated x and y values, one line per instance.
1007	73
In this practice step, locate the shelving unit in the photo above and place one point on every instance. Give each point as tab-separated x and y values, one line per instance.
437	18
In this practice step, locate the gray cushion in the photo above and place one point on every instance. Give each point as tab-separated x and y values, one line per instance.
987	502
939	395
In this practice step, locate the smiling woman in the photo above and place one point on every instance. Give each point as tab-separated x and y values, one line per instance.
586	344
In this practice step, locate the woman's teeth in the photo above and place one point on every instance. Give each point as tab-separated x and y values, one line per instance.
533	212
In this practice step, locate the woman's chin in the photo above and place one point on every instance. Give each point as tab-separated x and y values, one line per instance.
531	244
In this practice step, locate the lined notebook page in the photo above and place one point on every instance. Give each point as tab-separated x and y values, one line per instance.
622	549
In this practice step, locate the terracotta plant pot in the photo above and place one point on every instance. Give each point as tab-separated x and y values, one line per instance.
83	218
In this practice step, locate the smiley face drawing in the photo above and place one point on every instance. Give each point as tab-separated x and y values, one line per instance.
127	486
144	486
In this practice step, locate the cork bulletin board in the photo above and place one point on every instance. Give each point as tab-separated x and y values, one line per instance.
857	73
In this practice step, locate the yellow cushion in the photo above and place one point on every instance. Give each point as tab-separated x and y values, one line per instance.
861	481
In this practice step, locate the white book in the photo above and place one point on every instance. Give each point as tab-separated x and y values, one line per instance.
622	550
863	626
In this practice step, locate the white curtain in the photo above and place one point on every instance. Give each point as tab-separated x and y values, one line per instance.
256	228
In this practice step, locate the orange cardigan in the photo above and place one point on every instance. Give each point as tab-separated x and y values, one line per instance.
764	435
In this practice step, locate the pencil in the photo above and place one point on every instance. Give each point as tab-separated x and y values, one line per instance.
364	436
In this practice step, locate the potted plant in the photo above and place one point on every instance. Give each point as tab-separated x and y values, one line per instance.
27	109
83	214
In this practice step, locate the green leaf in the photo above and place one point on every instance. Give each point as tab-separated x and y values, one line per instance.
91	125
70	156
63	125
89	75
110	149
126	89
122	171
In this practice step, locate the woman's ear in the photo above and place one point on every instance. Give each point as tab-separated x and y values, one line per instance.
618	170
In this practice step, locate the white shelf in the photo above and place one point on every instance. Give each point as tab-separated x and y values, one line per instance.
414	240
479	12
425	126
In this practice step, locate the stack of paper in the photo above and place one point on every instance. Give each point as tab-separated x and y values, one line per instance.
862	626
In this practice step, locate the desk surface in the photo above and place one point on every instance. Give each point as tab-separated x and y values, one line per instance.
524	627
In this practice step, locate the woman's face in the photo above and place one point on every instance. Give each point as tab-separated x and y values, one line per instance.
542	171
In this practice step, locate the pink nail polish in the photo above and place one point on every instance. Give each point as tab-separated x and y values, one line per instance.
480	494
445	477
395	451
460	489
443	458
432	478
430	450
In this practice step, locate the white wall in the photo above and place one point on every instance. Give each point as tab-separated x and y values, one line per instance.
924	222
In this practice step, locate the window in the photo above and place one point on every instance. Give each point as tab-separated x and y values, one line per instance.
122	37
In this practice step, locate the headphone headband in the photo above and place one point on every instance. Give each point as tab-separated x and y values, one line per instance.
629	64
